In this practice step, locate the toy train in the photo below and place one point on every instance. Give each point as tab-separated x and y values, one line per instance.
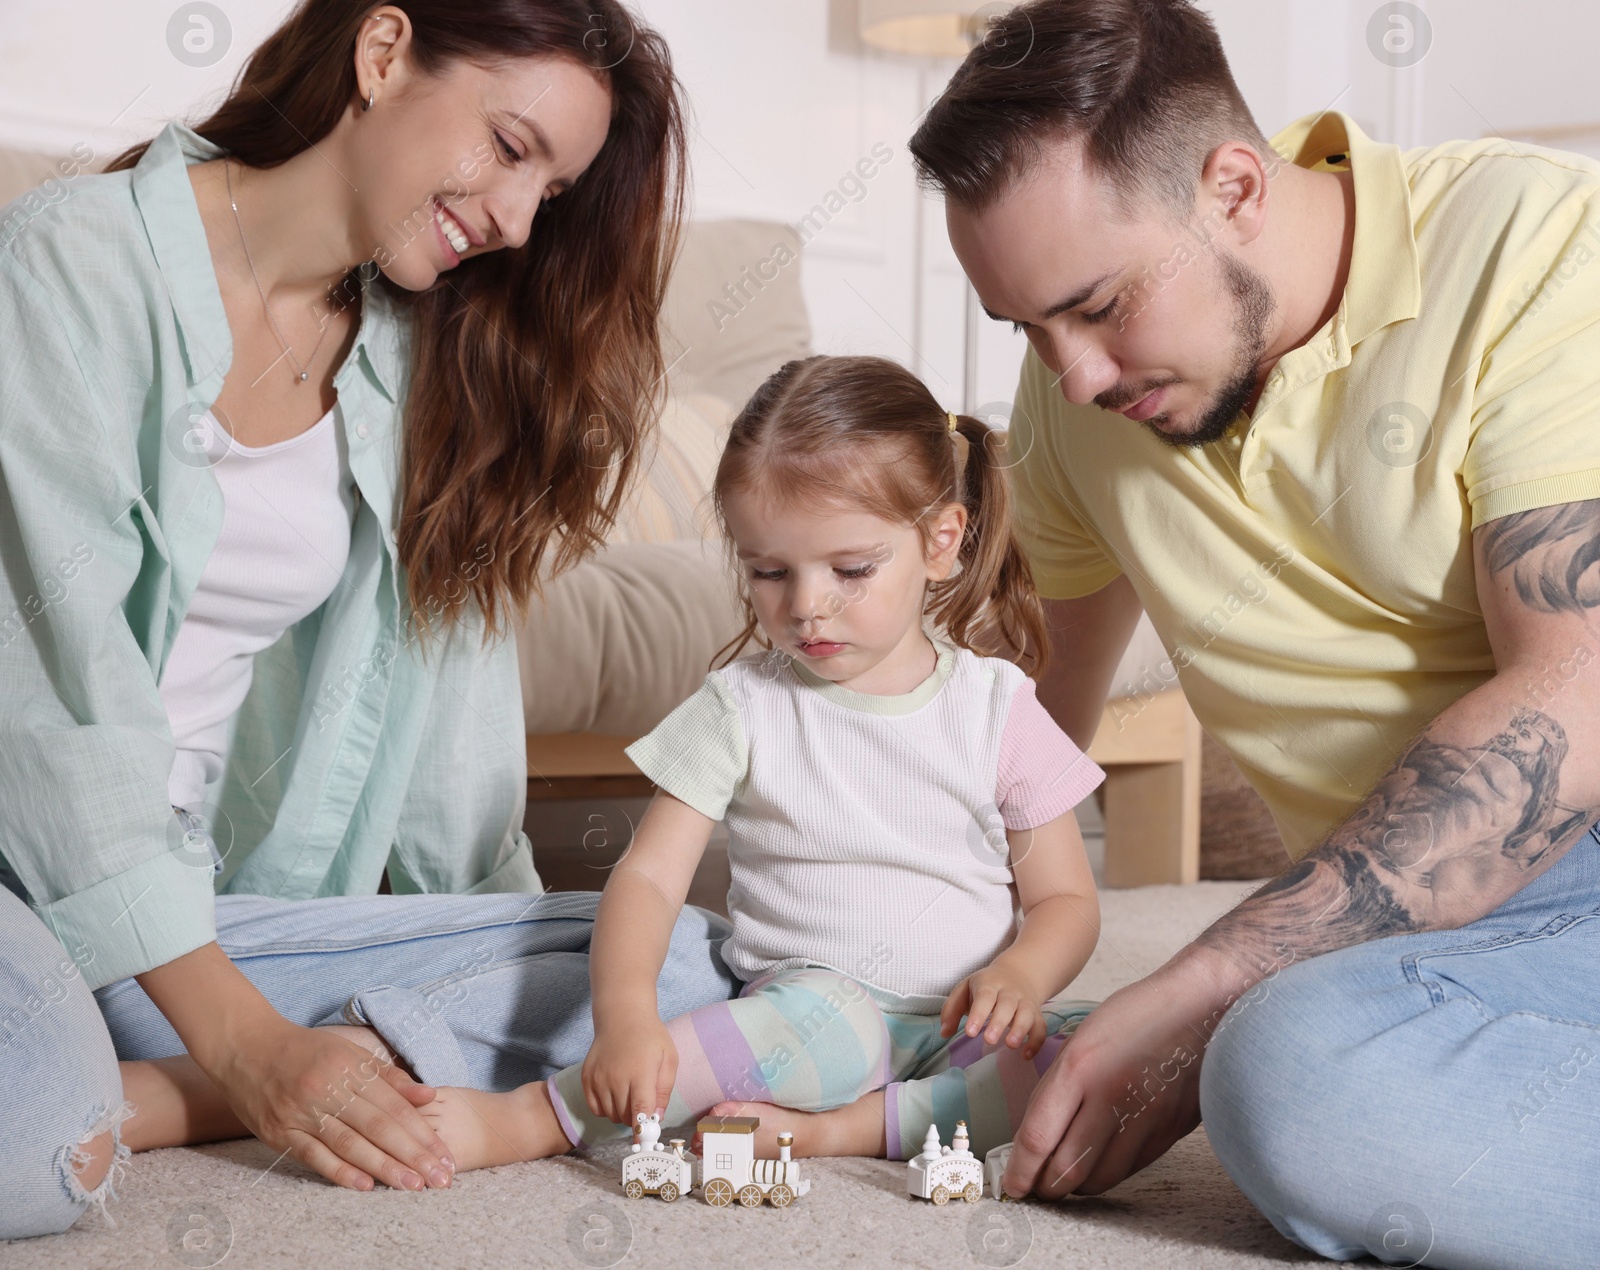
730	1171
728	1167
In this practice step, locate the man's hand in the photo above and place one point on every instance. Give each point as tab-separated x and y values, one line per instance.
997	1002
629	1070
1126	1086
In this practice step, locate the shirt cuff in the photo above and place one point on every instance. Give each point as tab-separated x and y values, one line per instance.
1527	496
136	920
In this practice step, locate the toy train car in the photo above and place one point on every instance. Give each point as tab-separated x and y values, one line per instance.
943	1173
994	1168
728	1167
666	1174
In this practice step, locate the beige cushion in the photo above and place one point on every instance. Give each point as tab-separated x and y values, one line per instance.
671	495
734	310
625	636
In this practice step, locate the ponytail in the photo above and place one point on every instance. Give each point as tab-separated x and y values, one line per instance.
989	604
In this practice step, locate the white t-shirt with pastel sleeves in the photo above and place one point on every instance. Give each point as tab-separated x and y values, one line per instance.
867	833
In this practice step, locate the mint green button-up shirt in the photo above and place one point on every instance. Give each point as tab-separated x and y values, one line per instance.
352	751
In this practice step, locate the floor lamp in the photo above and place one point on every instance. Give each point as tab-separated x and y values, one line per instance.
936	29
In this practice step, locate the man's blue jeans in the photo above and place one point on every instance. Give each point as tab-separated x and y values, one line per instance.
1430	1099
483	990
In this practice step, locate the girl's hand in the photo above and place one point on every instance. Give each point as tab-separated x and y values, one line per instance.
997	1003
339	1109
630	1069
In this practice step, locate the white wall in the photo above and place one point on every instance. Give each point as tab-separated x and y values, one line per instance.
786	101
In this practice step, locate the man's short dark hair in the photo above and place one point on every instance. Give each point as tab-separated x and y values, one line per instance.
1143	84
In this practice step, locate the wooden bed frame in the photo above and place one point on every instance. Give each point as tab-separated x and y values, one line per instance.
1149	748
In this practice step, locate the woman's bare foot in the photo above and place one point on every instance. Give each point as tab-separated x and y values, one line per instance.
854	1129
483	1130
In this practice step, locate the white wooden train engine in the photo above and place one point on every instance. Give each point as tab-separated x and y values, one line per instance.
729	1169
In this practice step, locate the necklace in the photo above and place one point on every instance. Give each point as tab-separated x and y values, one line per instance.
287	351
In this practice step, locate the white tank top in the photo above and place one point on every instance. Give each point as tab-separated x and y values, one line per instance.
288	509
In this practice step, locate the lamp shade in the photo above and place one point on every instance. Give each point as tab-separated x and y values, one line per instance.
931	28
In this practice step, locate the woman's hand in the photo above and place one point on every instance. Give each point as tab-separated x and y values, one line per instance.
998	1002
630	1069
341	1110
336	1107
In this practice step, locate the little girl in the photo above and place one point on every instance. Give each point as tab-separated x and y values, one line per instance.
885	787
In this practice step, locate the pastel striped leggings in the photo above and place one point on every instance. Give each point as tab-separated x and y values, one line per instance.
814	1039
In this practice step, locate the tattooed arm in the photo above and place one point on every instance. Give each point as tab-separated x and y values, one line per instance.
1492	793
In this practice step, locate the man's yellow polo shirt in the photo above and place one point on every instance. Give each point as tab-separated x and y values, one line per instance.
1311	574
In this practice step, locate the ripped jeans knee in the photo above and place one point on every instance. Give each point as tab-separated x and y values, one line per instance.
63	1085
90	1177
51	1187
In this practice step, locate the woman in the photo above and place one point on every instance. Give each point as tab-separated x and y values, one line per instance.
312	389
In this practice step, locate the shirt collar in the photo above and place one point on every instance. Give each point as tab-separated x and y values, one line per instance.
892	703
1385	282
166	202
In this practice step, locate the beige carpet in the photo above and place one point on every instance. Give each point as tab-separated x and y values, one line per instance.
229	1204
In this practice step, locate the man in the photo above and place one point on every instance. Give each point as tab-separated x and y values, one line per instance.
1357	388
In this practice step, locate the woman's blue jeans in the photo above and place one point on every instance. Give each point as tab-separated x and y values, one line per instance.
1430	1099
483	990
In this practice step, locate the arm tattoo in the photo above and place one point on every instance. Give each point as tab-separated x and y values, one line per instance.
1552	555
1450	829
1445	822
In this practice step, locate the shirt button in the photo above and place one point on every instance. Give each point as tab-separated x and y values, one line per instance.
361	431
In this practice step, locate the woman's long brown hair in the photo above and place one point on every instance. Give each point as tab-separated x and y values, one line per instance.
865	432
536	372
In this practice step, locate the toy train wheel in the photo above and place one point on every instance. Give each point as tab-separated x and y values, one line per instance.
668	1191
940	1195
780	1196
718	1193
973	1193
634	1189
750	1196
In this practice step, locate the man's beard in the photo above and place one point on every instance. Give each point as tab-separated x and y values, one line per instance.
1253	306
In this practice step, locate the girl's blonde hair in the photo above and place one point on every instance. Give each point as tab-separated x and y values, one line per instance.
865	432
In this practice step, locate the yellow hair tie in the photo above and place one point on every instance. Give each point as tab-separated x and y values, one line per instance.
951	415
